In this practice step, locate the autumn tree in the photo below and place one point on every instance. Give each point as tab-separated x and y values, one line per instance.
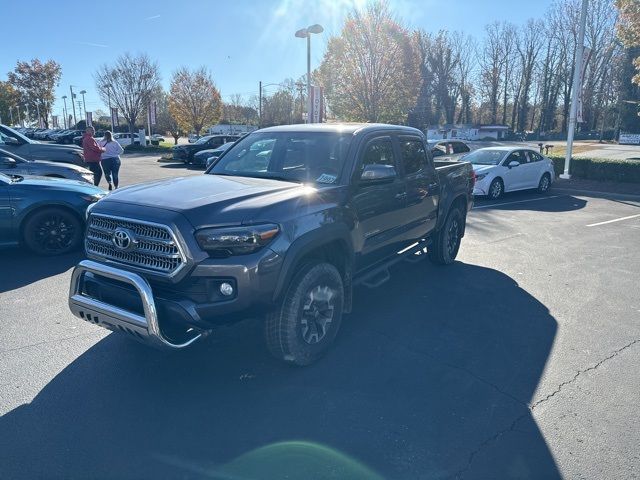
194	101
9	98
370	71
165	123
628	28
35	82
128	84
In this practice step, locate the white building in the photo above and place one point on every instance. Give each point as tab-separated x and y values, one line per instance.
467	132
230	129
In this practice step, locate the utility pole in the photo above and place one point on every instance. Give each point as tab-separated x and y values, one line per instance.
259	104
300	86
309	106
64	111
39	117
109	100
84	105
577	88
73	95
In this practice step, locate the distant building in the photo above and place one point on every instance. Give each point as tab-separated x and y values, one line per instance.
230	129
467	132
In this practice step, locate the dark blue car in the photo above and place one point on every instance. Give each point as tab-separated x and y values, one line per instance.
45	214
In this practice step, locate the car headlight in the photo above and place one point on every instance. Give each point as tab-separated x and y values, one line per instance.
93	198
227	241
481	176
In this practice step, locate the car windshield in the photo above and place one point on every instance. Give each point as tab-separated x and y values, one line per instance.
10	132
485	157
316	157
202	140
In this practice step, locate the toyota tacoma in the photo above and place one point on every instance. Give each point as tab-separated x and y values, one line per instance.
281	226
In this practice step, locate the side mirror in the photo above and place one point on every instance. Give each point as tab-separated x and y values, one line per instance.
378	174
8	162
12	141
513	163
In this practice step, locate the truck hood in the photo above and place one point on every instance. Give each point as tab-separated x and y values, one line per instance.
208	199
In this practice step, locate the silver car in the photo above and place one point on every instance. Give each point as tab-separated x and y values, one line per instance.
12	164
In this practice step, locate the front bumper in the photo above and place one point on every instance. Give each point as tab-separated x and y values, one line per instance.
144	328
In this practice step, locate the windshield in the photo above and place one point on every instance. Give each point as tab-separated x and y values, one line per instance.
316	157
202	140
10	132
485	157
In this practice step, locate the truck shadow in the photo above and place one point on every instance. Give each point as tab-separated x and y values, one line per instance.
525	200
431	377
20	267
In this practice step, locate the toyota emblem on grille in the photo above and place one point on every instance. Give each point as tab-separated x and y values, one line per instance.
124	239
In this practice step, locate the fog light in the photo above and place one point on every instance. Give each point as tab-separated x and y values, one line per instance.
226	289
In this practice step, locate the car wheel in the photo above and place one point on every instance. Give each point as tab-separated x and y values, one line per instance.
545	183
301	329
52	231
445	246
496	189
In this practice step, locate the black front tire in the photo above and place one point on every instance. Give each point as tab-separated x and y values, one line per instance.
304	325
52	231
496	189
446	244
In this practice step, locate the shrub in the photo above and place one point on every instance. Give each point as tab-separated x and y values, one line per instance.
601	169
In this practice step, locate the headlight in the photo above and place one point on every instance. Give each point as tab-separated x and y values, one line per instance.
481	176
93	198
227	241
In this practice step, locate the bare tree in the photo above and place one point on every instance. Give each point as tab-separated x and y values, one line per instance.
492	65
128	83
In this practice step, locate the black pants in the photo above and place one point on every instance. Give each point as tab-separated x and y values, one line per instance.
97	172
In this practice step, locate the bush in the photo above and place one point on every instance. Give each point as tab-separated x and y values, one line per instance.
601	169
147	149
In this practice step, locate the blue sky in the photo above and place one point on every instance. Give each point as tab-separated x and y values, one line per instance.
240	41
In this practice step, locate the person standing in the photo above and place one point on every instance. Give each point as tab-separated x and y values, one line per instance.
110	159
92	152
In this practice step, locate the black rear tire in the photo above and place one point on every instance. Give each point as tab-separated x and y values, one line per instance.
52	231
302	328
544	183
446	244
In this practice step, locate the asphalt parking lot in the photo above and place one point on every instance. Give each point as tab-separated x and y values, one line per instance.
518	361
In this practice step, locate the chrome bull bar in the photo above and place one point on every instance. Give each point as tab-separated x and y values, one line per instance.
145	329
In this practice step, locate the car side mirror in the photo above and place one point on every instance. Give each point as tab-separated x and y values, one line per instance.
12	141
8	162
513	163
377	174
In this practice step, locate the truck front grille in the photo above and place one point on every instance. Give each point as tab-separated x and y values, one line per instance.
155	247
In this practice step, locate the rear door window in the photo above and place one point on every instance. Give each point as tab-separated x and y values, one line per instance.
414	155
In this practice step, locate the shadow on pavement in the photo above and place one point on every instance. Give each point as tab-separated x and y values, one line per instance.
523	200
183	165
20	267
426	380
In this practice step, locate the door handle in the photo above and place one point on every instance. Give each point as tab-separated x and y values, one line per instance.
401	196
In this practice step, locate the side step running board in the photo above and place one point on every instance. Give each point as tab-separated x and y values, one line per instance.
375	279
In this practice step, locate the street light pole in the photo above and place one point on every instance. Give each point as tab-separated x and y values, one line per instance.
260	104
84	105
576	88
306	33
64	111
108	87
73	95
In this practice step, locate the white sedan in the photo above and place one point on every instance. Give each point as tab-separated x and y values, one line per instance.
507	169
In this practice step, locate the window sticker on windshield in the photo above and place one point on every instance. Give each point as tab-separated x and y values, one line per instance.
326	178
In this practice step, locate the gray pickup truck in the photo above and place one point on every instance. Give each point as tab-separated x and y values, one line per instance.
281	226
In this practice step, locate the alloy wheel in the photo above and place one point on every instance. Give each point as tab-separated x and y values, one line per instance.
317	314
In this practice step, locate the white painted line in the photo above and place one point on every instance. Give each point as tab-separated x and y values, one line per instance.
614	220
518	201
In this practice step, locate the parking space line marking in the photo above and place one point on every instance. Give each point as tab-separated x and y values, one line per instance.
614	220
518	201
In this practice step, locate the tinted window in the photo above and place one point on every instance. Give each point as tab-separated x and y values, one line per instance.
379	152
414	156
534	157
438	151
518	156
459	147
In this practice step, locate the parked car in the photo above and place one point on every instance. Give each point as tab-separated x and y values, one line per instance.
203	156
156	137
47	215
13	164
125	139
14	142
78	140
192	138
42	134
185	153
448	149
283	225
68	136
507	169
